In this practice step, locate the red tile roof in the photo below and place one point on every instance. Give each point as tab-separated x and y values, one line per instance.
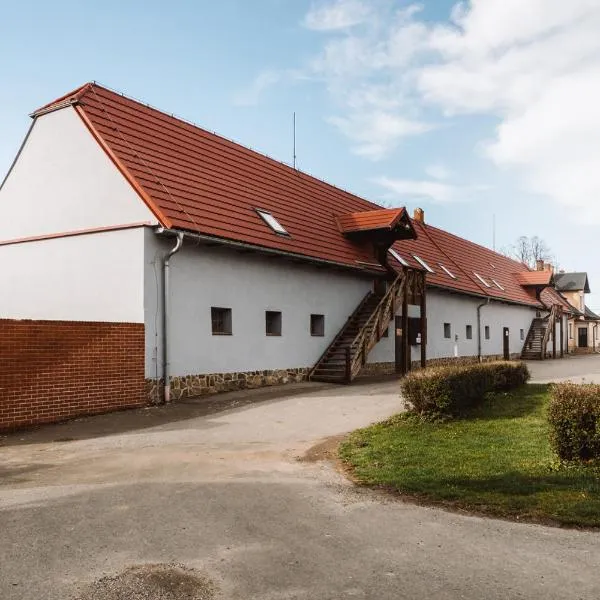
198	181
384	218
534	278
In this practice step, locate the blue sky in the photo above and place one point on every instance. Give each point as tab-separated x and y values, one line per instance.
489	109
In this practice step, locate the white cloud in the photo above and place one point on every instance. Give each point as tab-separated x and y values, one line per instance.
253	93
532	65
438	171
376	133
429	190
337	15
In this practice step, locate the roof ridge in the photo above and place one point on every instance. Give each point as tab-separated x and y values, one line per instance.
222	137
480	246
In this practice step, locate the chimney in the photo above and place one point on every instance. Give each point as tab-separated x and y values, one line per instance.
419	215
539	265
549	267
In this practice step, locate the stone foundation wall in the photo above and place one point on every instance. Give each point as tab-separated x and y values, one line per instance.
388	368
192	386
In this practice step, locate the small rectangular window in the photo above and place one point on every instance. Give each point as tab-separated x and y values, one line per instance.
482	280
469	333
273	322
423	263
447	271
487	332
221	320
398	257
317	325
522	332
447	331
570	331
272	222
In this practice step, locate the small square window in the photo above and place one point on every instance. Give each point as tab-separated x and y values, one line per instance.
469	333
221	320
317	325
487	332
447	331
522	332
273	322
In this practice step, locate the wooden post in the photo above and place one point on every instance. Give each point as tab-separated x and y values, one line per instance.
405	340
562	336
423	323
553	336
399	359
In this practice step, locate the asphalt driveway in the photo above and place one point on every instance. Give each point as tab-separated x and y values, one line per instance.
225	494
578	368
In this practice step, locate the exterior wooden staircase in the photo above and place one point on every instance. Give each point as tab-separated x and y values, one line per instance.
344	358
538	336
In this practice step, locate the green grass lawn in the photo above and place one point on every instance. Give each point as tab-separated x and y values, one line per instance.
497	461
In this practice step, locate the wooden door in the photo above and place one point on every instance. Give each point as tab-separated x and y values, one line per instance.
506	343
582	337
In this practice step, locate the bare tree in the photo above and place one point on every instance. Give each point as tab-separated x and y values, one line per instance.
529	250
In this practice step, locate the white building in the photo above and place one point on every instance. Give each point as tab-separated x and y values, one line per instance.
266	266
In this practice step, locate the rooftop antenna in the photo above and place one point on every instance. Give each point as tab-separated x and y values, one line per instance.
294	139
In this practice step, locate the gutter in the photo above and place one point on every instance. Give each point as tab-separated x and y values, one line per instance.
479	307
166	311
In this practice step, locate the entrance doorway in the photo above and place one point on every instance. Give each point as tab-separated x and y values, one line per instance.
506	343
582	337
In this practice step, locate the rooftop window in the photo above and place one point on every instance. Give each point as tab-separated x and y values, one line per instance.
423	264
497	284
398	257
447	271
272	222
482	280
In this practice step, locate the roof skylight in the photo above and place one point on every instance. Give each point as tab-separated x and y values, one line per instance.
482	280
497	285
398	257
423	264
272	222
447	271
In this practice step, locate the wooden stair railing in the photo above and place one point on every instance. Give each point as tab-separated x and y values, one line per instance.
373	329
548	325
550	328
357	311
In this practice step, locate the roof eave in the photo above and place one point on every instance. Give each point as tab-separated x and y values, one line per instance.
361	267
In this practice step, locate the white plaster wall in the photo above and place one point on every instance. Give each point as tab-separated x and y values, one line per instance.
385	350
94	277
461	311
64	181
250	285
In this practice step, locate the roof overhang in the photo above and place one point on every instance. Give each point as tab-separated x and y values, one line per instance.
383	226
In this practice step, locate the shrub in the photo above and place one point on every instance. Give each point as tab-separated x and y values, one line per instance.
574	417
442	392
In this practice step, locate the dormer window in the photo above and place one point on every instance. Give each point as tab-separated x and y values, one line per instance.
272	222
497	285
482	280
398	257
447	271
423	264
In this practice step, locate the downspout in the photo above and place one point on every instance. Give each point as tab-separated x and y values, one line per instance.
479	327
166	311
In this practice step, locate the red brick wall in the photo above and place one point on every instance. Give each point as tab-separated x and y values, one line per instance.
54	370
